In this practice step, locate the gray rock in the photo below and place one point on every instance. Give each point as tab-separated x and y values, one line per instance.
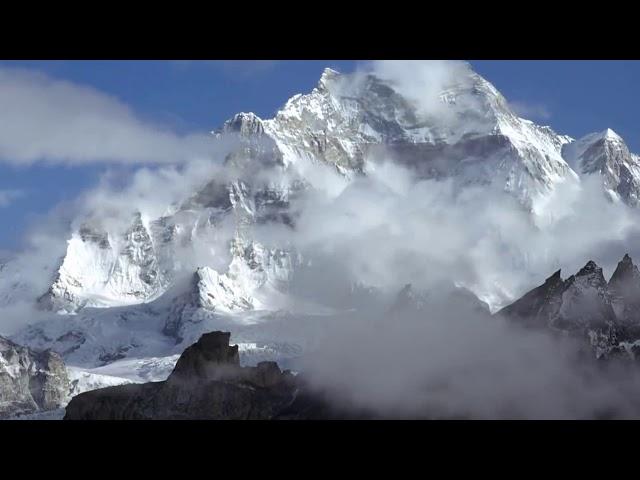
206	383
624	286
585	305
30	381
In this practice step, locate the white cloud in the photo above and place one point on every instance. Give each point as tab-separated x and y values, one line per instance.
389	229
536	111
7	197
45	119
424	81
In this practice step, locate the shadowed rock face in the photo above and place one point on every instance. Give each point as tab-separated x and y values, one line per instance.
536	307
585	304
207	383
625	291
30	381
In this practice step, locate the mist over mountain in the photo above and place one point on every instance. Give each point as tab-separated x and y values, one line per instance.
301	234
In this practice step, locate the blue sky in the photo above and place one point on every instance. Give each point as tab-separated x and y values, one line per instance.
574	97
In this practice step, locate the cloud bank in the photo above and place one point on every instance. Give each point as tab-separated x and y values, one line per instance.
57	121
451	361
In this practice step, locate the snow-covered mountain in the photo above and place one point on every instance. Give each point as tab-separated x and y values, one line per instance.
606	154
346	121
124	293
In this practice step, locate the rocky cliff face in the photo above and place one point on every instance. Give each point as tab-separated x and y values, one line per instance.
586	305
207	383
30	381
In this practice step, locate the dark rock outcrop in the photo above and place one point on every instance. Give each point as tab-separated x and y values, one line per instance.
30	381
585	304
624	287
538	306
207	383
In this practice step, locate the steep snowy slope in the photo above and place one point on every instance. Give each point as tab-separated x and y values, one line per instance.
606	154
347	121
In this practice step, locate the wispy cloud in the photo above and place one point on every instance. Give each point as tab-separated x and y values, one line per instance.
536	111
46	119
7	197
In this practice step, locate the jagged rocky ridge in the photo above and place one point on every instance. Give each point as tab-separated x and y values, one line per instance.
30	381
586	305
207	383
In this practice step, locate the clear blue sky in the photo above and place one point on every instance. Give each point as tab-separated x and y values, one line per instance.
574	97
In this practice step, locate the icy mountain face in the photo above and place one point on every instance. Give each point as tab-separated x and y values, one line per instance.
606	154
348	119
345	121
30	381
82	381
587	305
101	270
211	292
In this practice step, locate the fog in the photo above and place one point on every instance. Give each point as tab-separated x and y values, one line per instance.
388	228
451	361
45	119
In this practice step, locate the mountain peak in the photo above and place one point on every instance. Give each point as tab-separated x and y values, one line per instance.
589	268
606	154
555	277
203	359
328	75
609	134
625	271
243	123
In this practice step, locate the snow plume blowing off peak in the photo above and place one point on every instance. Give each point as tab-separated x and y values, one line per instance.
425	84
